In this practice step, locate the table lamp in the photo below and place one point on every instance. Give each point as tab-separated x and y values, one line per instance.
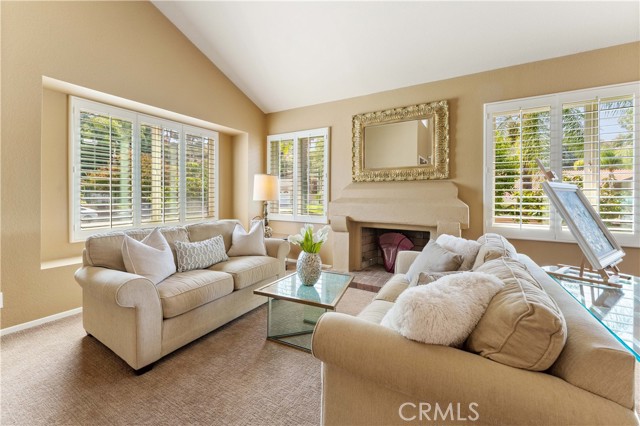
265	189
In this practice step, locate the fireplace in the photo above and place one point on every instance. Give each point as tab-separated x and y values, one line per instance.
423	206
371	253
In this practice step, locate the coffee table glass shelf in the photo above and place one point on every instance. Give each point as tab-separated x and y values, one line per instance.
618	309
294	308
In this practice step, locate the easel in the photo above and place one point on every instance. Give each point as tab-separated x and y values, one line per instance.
607	276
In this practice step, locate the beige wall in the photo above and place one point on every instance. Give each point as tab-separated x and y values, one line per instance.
466	96
126	49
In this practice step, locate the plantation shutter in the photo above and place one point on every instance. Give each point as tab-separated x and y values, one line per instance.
200	175
519	138
281	160
299	159
589	138
159	174
311	176
130	170
598	156
105	175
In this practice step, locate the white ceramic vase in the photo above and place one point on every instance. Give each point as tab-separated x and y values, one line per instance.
309	267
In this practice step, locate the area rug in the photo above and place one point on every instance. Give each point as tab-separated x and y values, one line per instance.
55	374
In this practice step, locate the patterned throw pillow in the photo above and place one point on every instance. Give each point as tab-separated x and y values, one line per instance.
201	254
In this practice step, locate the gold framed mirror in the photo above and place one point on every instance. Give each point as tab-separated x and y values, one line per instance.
407	143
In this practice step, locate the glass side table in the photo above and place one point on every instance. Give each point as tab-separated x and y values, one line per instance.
295	308
618	309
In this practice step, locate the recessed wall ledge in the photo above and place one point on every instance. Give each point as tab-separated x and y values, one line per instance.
61	263
431	206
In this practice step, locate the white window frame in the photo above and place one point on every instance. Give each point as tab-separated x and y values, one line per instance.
555	232
295	217
76	234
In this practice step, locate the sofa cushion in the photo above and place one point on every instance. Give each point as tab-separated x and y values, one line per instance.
206	230
200	254
185	291
248	270
250	243
392	288
150	258
105	250
375	311
433	258
493	246
468	249
522	327
444	312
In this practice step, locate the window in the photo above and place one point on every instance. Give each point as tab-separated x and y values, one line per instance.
133	170
588	137
300	160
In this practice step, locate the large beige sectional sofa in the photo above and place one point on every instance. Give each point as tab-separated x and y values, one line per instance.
372	375
142	322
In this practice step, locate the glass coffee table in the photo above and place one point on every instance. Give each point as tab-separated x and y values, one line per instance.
294	308
618	309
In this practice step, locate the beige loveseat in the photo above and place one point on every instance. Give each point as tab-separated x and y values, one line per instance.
372	375
142	322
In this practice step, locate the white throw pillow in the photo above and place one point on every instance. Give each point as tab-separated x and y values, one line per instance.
433	258
444	312
200	254
250	243
468	249
151	257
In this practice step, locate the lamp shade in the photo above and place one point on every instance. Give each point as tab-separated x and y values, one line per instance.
265	188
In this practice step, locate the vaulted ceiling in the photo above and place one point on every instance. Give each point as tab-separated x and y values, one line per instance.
287	55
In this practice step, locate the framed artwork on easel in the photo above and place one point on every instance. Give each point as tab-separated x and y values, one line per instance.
598	245
596	242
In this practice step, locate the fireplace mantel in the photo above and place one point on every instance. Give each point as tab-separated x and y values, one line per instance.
431	206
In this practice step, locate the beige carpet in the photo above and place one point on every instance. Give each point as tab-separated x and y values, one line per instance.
54	374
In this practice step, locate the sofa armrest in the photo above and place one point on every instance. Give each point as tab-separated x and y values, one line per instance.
404	259
124	312
420	372
277	248
123	288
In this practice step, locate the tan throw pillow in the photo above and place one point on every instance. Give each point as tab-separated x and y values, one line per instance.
522	327
468	249
429	277
433	258
250	243
493	246
444	312
151	257
201	254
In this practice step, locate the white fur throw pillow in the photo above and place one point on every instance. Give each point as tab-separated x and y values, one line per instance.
151	257
444	312
250	243
468	249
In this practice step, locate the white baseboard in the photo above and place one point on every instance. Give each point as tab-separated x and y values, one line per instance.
40	321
